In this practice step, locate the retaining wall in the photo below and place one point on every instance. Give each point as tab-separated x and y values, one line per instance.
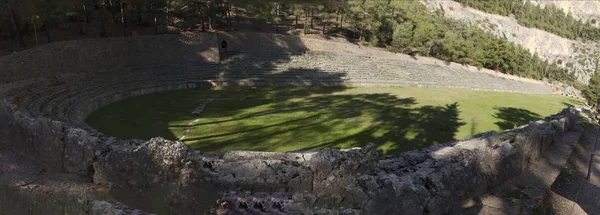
433	180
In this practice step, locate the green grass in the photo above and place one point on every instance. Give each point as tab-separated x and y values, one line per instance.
283	119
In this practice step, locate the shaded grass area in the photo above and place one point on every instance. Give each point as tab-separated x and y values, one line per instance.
283	119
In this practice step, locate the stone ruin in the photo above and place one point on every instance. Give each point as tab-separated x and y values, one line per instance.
51	162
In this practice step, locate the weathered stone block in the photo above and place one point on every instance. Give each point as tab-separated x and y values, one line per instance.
335	172
134	164
81	150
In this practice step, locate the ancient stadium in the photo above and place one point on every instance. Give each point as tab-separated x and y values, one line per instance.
256	123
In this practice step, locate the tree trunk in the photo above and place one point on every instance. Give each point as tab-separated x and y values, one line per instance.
12	19
429	50
111	10
208	16
123	20
306	22
166	11
155	21
35	33
17	28
138	15
341	21
122	15
229	16
201	16
48	37
296	20
103	32
361	34
80	23
87	15
312	18
27	30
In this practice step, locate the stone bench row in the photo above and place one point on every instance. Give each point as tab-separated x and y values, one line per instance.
52	96
56	107
52	102
53	99
83	92
356	64
46	95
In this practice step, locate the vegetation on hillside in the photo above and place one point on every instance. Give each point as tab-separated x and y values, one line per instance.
406	26
592	91
400	26
549	18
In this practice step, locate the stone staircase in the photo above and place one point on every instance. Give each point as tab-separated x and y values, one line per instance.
363	70
564	182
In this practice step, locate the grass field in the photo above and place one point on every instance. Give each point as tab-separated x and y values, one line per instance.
282	119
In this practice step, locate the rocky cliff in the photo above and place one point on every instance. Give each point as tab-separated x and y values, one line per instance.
577	56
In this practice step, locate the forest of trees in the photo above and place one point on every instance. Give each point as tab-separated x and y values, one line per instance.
550	18
400	26
407	27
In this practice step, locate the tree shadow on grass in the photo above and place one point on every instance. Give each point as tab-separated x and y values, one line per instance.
512	117
332	121
398	129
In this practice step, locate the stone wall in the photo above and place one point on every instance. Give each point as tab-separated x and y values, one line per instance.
27	187
436	180
433	180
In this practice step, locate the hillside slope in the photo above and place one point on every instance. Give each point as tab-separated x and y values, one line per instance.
577	56
586	11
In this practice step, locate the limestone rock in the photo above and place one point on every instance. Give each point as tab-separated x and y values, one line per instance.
132	164
113	208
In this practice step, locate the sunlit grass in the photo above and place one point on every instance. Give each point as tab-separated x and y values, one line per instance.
283	119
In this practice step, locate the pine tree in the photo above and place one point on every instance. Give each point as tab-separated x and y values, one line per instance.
592	92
